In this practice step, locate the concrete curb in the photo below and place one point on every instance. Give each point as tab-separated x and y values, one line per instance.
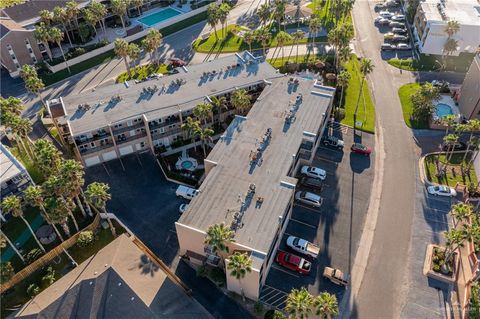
421	167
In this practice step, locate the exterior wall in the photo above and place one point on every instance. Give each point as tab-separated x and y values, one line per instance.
248	286
469	100
16	39
190	239
15	185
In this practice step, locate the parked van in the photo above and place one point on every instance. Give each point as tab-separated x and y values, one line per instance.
311	182
186	192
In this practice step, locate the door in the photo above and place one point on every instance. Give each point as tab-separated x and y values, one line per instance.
126	150
92	161
107	156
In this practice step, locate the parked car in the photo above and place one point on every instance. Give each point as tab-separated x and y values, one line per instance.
398	17
382	21
399	38
309	198
182	208
388	36
294	262
388	47
391	3
173	71
176	62
457	146
396	24
312	182
399	31
385	14
440	83
186	192
336	276
361	149
154	76
440	190
403	46
302	246
314	172
380	5
330	140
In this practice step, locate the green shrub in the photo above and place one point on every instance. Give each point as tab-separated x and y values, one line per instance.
33	255
258	307
274	314
436	267
201	271
33	290
218	275
339	114
6	271
49	277
85	238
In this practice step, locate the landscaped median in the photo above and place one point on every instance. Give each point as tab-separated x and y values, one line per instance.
459	63
454	174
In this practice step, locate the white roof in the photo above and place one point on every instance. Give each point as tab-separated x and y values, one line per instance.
466	12
9	165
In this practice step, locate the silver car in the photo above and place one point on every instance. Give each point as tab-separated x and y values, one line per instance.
309	198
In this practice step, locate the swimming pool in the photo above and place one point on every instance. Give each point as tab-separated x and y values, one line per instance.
442	110
159	16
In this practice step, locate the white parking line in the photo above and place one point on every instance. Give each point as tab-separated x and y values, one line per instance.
285	271
307	207
439	199
308	225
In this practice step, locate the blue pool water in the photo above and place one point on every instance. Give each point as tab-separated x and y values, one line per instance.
442	110
159	16
187	164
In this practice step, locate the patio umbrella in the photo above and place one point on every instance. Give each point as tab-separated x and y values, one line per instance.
331	76
319	64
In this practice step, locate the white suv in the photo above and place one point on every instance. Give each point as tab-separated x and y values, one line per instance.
186	192
314	172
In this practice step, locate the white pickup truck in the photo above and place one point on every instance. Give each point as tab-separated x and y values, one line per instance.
303	246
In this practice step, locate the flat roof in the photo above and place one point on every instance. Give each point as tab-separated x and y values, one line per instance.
134	102
9	165
226	185
466	12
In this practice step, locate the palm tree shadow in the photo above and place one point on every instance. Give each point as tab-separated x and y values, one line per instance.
147	266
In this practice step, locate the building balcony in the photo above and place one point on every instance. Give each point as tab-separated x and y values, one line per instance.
96	137
125	128
124	140
166	122
167	133
96	149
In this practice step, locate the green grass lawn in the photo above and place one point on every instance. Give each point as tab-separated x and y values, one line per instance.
428	63
405	92
228	41
366	109
17	296
9	3
141	72
328	19
280	62
451	178
51	78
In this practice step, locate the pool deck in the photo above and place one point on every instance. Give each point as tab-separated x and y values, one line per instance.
447	100
136	21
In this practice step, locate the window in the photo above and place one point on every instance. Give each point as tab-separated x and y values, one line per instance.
92	144
34	59
17	65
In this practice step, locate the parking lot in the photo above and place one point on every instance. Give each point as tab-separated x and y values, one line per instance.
335	227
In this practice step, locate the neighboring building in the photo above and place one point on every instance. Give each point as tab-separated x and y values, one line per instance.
13	175
469	96
120	119
250	184
431	19
120	281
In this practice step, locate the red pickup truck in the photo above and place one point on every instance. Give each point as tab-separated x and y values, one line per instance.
294	262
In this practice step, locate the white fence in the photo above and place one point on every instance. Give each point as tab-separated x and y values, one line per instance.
133	37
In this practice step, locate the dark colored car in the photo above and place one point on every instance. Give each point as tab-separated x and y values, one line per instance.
176	62
332	141
361	149
457	146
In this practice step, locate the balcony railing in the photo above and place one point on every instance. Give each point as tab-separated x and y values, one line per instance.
95	137
96	149
172	120
131	138
124	128
167	133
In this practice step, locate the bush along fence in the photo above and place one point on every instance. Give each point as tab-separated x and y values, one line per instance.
47	258
168	27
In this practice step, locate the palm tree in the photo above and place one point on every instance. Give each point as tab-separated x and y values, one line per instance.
223	12
71	172
45	17
202	111
13	205
71	7
299	303
422	101
119	7
10	106
282	38
97	195
218	237
448	121
57	36
314	27
344	55
48	157
240	100
91	19
249	38
461	211
100	12
450	140
21	127
60	15
41	34
297	36
121	50
205	135
452	27
279	11
133	53
264	35
454	240
189	127
56	185
342	81
366	67
240	265
213	17
33	83
151	43
264	13
218	103
137	4
57	211
450	46
326	305
2	235
34	197
473	125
